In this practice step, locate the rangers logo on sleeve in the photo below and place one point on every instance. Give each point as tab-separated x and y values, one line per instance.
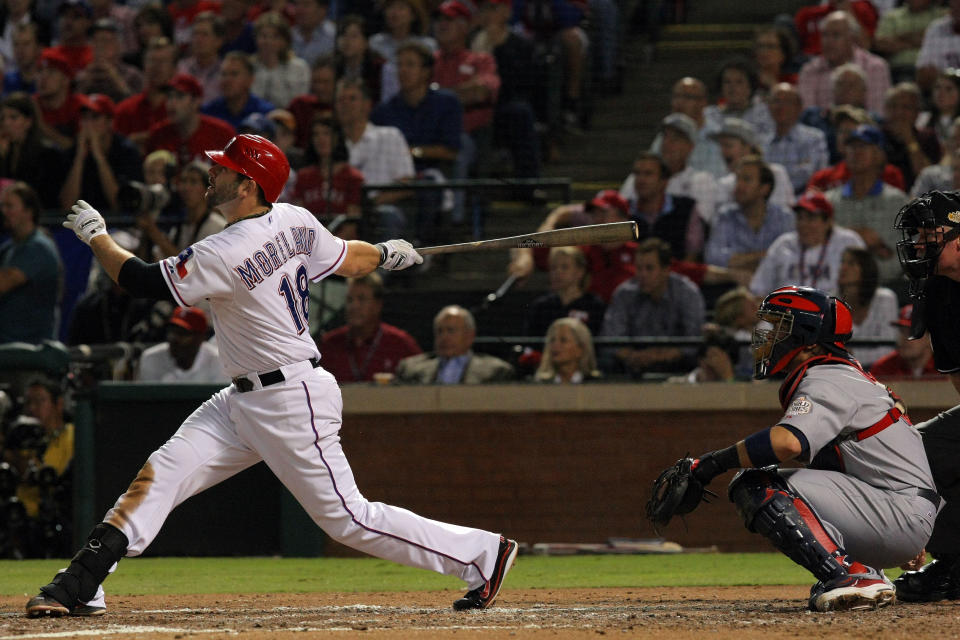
183	269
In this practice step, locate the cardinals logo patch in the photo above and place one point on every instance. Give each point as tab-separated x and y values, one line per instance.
183	268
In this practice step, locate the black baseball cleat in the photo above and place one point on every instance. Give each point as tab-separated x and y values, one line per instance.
43	605
483	597
938	580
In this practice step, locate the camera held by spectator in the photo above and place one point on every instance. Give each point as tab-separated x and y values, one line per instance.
137	198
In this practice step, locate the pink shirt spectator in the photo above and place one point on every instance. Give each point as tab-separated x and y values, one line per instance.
453	69
816	88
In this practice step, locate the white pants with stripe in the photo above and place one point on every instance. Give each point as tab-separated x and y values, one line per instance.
293	427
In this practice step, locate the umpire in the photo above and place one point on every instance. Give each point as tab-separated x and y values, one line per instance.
929	254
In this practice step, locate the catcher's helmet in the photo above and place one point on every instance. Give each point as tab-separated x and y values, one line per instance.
926	225
258	159
793	318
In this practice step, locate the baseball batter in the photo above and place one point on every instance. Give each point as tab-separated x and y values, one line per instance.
282	407
865	498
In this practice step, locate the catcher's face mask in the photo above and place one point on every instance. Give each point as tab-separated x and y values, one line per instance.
772	347
923	238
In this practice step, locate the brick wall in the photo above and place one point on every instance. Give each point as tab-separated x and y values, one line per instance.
545	477
549	477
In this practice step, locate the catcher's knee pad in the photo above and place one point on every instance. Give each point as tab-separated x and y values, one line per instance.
105	545
769	507
749	483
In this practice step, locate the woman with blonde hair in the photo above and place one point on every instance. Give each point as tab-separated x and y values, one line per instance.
568	354
278	75
568	297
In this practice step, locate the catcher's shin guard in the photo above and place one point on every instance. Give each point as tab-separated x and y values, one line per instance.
768	507
105	545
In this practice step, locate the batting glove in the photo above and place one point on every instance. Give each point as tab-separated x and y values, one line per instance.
396	255
86	222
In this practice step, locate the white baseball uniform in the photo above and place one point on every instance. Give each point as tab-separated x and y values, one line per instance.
255	275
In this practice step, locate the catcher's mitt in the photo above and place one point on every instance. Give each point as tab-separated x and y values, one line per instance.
676	492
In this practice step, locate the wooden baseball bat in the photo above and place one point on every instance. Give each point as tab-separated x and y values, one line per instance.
573	236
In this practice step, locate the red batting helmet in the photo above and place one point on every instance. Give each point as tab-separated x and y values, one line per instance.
258	159
793	318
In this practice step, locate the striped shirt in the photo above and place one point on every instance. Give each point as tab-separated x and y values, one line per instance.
732	234
802	152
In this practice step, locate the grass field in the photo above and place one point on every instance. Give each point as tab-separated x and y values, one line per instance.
141	576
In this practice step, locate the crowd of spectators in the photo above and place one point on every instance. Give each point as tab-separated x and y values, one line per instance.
784	167
354	93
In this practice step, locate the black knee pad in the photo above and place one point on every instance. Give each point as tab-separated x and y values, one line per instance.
748	490
90	566
768	507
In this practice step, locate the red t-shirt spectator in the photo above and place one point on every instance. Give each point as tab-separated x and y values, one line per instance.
380	354
135	114
609	267
213	133
65	119
79	57
893	366
808	20
838	174
289	12
188	13
304	109
344	190
453	69
182	18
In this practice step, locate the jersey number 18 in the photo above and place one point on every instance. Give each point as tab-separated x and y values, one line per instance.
298	300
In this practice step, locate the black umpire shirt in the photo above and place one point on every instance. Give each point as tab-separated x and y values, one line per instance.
942	307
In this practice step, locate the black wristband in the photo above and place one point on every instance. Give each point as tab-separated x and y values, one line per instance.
383	253
716	462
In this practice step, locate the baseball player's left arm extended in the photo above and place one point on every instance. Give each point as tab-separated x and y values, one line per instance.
137	278
766	447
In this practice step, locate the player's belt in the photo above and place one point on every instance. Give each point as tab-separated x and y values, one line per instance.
243	383
932	496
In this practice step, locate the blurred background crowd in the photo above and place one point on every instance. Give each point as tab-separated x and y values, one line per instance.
782	159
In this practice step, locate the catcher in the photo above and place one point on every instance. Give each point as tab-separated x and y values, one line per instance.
864	499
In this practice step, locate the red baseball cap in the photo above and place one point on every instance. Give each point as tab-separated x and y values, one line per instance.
815	202
98	103
905	317
52	58
609	199
190	318
186	83
454	9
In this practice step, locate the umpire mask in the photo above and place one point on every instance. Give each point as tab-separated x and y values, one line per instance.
926	225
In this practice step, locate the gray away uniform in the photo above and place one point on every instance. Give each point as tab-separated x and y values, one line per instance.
870	485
